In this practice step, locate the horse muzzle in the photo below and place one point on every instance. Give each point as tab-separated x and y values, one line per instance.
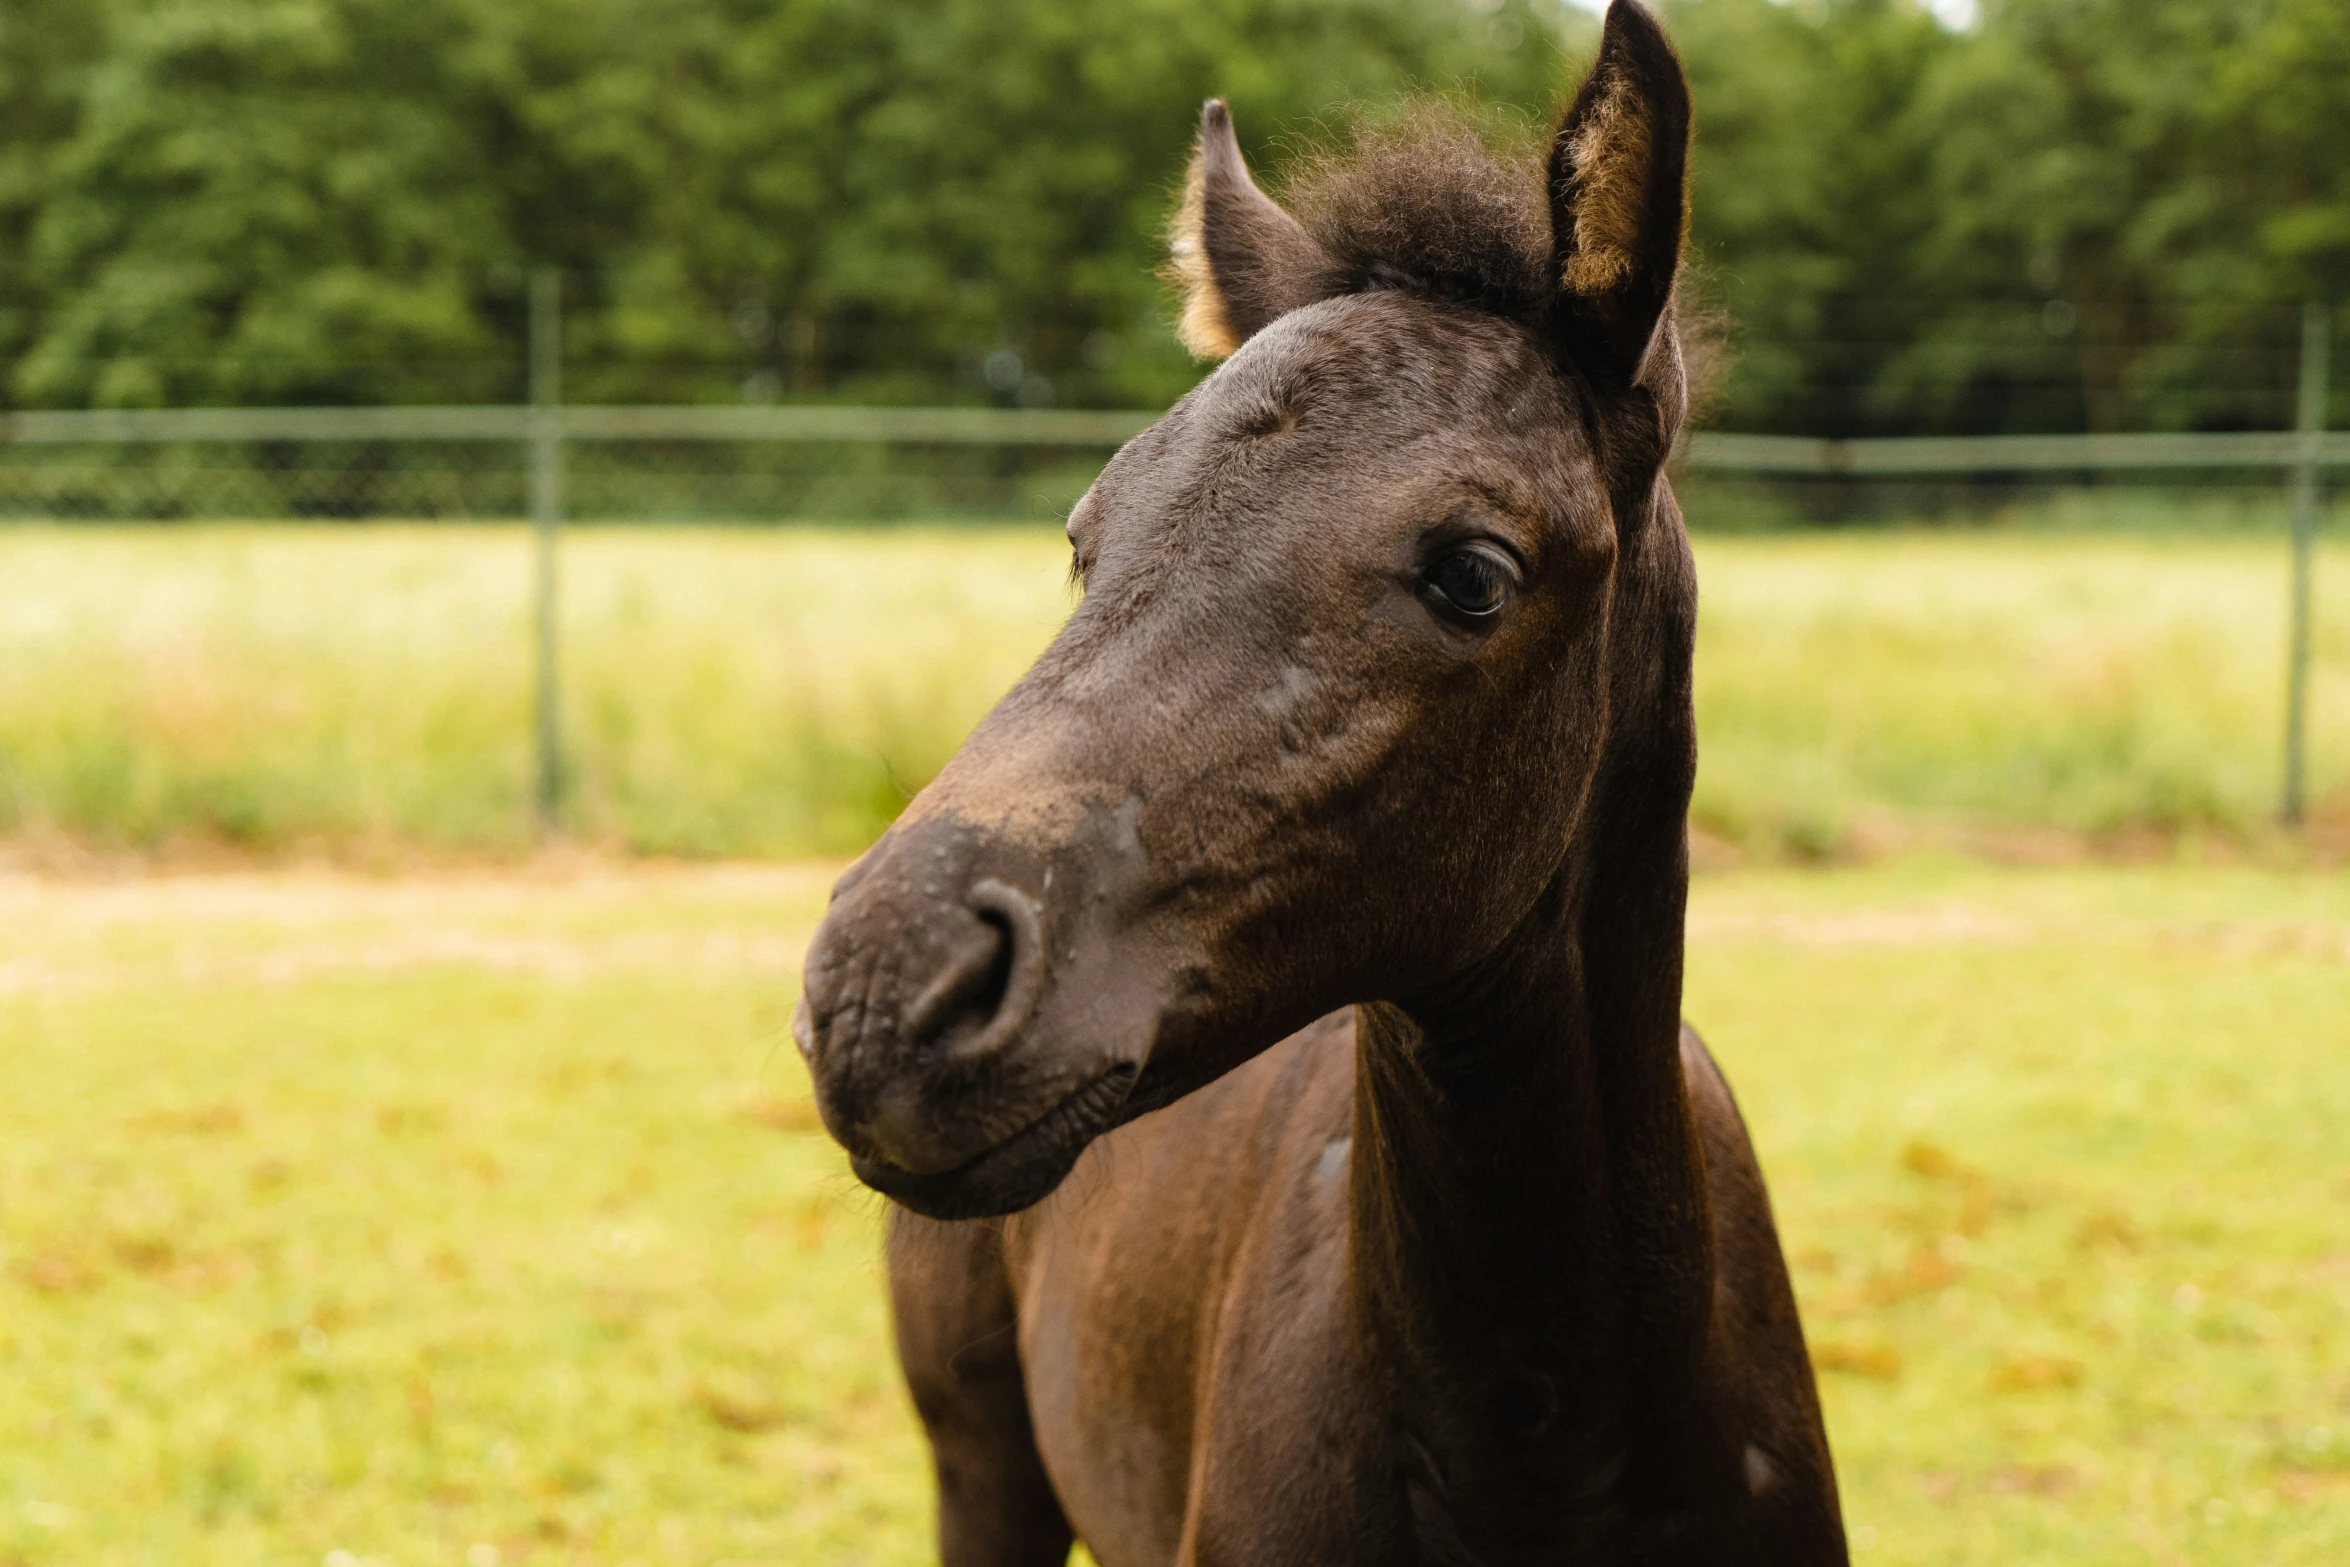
964	1020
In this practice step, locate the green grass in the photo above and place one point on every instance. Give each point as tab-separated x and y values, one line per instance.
401	1218
2058	1158
366	690
1868	686
406	1216
726	691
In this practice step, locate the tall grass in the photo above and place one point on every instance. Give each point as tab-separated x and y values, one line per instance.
2099	685
741	692
725	692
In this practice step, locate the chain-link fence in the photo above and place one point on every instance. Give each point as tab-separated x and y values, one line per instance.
748	465
617	480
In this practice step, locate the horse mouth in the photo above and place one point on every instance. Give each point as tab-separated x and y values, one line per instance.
1018	1172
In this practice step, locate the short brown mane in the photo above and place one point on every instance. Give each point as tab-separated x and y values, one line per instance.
1435	201
1447	203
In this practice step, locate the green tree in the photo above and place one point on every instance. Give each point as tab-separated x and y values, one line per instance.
1813	200
2079	214
2076	214
268	201
2272	159
46	47
336	200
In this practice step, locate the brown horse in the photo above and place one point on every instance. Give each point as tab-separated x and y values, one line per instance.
1378	700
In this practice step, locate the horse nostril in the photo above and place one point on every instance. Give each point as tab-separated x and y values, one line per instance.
988	998
969	987
988	984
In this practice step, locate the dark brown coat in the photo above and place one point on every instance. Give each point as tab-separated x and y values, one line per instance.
1294	955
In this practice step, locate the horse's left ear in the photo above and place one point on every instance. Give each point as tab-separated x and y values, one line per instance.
1619	195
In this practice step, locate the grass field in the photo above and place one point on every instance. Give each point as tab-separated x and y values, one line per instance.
481	1217
740	692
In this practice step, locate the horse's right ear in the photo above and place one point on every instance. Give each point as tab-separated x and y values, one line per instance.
1619	194
1240	260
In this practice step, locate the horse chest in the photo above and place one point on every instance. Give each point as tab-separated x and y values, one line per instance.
1268	1438
1268	1476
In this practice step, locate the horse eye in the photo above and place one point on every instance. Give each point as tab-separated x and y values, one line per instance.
1474	581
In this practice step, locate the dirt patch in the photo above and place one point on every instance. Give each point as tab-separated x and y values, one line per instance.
565	917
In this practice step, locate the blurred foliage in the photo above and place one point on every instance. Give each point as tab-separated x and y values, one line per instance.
335	200
2080	214
2076	214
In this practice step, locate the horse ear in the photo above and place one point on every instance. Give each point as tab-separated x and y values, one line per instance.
1240	260
1619	194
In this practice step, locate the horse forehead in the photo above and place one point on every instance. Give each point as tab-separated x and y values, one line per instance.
1336	414
1385	348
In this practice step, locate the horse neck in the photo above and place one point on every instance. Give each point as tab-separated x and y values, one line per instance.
1528	1225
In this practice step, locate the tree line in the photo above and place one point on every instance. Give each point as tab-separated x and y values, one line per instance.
2074	214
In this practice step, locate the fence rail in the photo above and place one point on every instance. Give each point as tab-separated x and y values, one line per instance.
579	422
1712	451
1707	451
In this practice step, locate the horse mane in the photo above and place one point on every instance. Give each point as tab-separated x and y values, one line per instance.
1445	202
1436	201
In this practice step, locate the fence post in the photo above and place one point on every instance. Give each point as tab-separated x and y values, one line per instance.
546	515
2308	424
